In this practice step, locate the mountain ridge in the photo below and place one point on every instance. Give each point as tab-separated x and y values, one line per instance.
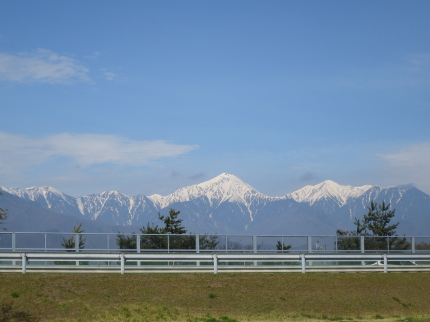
226	204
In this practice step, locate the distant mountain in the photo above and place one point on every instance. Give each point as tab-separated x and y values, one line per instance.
226	204
26	215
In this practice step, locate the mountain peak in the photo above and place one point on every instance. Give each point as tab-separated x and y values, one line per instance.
224	187
328	190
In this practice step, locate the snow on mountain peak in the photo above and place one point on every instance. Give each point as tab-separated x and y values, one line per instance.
33	193
328	190
225	187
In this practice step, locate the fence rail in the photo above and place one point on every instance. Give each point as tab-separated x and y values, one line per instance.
258	262
143	243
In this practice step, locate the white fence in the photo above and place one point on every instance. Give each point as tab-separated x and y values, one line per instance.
111	243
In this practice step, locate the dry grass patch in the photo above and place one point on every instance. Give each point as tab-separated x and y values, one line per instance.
212	298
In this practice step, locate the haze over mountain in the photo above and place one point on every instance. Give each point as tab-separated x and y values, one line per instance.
226	204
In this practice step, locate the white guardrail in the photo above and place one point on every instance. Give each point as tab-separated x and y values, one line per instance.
257	262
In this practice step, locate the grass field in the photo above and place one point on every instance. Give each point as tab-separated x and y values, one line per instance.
212	298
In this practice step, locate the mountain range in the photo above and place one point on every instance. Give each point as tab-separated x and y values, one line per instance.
222	205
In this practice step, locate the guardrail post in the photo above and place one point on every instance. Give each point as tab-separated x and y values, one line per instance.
24	263
122	263
215	259
385	263
362	248
413	244
303	263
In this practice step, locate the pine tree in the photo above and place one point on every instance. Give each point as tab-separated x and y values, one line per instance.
377	220
375	224
70	242
172	225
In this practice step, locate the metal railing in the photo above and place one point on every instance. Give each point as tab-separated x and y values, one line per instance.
301	262
114	243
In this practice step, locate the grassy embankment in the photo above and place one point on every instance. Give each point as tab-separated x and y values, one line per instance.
222	297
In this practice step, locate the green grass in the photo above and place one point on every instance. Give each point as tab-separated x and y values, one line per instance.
394	297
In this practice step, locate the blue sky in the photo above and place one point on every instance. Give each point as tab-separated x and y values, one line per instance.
146	97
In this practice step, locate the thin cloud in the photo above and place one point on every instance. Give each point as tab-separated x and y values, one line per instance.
41	66
197	175
20	152
307	176
409	165
109	75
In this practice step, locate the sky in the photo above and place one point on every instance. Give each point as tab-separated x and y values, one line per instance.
146	97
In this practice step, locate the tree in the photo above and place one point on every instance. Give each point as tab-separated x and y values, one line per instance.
70	242
282	246
166	237
377	220
3	216
375	224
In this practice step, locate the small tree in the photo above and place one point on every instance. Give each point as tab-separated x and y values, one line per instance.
70	242
375	224
172	225
282	246
377	220
3	216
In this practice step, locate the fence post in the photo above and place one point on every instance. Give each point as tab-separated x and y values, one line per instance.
13	246
138	246
197	247
77	246
122	263
215	259
13	242
413	244
77	243
385	263
362	248
24	263
303	263
254	247
388	244
168	243
309	244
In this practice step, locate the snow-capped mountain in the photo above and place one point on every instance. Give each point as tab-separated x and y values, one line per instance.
47	197
214	195
329	191
226	204
117	208
223	188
